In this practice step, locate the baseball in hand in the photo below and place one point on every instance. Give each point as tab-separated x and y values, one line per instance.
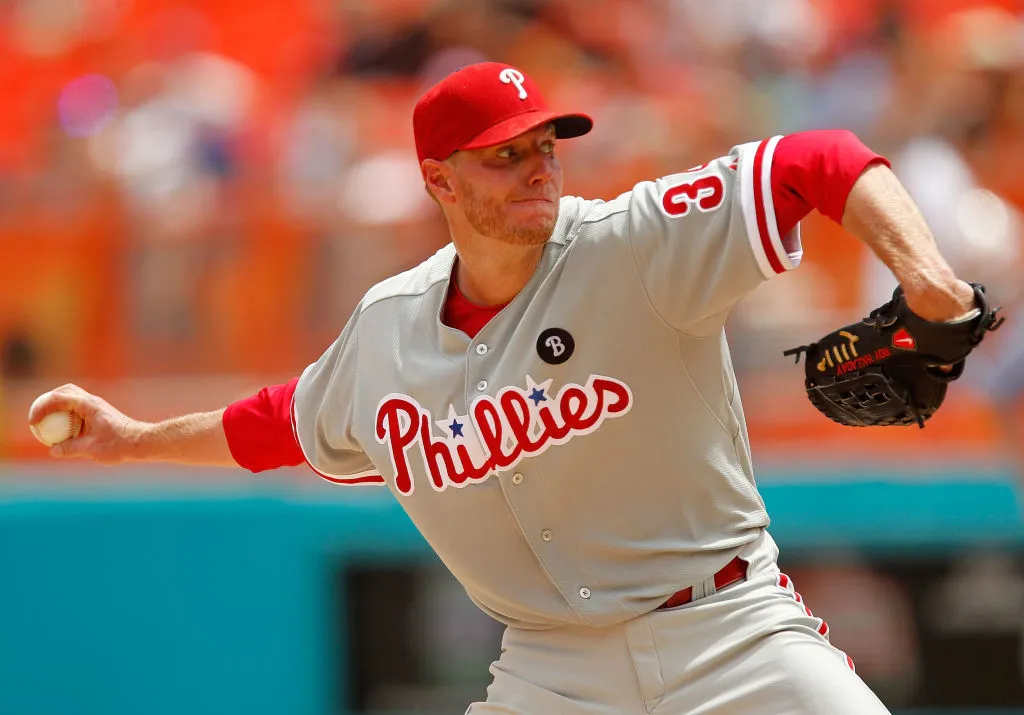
57	427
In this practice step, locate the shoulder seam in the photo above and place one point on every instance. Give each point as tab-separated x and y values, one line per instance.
613	212
643	286
640	280
428	266
364	305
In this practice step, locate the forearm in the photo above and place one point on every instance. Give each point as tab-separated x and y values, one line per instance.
108	436
880	212
196	439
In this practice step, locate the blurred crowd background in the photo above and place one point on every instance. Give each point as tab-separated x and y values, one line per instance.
195	189
195	193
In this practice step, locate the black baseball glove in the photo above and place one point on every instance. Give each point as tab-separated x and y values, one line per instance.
893	367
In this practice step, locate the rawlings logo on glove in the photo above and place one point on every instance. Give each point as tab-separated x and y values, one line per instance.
893	367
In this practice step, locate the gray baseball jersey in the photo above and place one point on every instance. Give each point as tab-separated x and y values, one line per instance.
585	455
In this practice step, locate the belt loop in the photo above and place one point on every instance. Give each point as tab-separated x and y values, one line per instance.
703	589
697	591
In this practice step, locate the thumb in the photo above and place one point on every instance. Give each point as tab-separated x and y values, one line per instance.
74	447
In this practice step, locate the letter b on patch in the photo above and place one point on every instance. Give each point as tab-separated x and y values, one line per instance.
555	346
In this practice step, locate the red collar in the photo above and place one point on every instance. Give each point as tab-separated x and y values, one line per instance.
463	315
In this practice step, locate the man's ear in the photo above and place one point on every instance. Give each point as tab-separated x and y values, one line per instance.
435	175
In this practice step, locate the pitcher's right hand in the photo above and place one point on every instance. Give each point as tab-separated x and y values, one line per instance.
108	436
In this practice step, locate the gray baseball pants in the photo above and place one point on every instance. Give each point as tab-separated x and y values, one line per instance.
752	648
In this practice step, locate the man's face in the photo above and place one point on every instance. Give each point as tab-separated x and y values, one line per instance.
510	191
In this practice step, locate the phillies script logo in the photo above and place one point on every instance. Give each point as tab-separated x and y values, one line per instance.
498	432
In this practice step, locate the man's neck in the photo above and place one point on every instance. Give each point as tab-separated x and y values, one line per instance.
490	272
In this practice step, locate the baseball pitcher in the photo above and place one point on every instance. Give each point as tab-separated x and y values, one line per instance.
551	399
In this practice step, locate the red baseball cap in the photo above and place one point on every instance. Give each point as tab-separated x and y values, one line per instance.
483	105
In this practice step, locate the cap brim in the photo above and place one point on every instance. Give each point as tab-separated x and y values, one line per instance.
567	126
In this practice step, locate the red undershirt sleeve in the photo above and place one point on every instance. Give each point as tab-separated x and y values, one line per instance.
816	170
259	429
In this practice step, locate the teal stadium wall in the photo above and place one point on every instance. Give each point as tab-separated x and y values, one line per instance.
163	601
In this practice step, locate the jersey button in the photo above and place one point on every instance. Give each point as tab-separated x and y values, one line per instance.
481	349
546	534
482	385
517	478
584	592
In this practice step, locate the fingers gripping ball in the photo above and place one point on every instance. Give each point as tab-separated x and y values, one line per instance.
893	367
57	427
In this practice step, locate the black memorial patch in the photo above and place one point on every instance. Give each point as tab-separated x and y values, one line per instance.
555	346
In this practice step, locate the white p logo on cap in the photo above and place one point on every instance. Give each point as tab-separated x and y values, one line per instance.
512	76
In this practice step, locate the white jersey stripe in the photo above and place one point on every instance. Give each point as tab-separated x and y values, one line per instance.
788	260
771	251
747	152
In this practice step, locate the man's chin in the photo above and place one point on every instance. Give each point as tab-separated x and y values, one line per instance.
534	233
